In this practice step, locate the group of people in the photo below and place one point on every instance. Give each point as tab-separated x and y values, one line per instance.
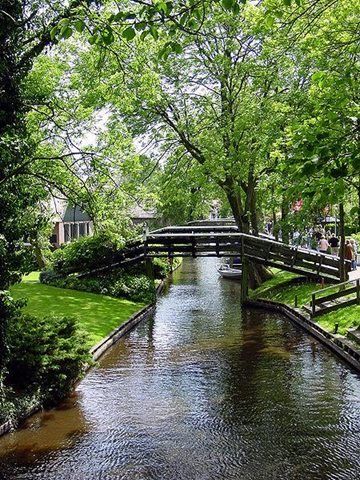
328	242
318	238
333	243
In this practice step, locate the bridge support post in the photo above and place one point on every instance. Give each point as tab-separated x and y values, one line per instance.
244	279
149	268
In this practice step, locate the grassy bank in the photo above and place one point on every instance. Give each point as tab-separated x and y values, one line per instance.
279	290
96	314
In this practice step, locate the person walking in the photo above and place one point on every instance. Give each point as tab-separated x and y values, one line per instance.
348	255
323	245
334	244
354	255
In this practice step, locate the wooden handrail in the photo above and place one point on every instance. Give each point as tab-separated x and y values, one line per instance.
332	286
340	293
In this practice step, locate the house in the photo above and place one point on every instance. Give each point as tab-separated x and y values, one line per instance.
139	216
70	222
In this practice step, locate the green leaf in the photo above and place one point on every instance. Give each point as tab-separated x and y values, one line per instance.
236	8
108	38
269	21
184	19
154	32
92	39
140	26
79	26
144	34
162	7
66	32
53	32
64	22
129	33
287	2
119	16
176	47
227	4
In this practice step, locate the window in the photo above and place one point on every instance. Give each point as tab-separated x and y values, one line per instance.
67	236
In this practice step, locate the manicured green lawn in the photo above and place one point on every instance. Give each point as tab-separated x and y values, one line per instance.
346	318
277	290
97	314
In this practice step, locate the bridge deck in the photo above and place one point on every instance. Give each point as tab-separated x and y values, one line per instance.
227	241
184	241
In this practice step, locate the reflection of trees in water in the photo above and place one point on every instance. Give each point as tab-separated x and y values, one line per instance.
204	383
282	403
41	434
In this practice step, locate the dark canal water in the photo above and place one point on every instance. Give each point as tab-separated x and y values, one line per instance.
201	391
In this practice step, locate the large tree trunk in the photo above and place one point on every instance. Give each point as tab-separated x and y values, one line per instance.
285	233
257	273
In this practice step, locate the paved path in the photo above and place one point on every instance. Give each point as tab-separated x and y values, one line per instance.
354	274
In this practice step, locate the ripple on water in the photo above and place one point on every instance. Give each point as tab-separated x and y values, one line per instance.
203	390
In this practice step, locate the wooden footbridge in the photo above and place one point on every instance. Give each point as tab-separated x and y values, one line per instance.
206	240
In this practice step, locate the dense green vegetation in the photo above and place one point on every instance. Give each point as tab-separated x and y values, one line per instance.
175	106
46	356
91	253
96	314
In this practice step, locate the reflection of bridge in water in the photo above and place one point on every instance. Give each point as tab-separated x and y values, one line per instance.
213	239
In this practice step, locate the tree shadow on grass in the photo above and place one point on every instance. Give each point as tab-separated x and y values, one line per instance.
97	314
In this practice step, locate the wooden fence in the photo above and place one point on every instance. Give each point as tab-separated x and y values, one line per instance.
321	304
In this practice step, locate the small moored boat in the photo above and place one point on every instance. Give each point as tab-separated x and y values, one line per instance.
228	272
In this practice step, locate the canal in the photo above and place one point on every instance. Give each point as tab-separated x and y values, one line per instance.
204	391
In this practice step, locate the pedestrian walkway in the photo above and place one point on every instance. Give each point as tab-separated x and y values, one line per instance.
354	274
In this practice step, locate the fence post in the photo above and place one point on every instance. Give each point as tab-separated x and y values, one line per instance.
244	273
313	304
357	291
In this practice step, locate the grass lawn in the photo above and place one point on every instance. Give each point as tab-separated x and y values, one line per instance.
346	317
277	290
97	314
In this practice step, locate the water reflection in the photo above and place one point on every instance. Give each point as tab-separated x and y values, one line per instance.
201	391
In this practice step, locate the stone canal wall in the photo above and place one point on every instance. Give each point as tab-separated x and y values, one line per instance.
338	344
97	351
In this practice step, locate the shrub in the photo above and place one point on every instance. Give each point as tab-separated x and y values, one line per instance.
162	267
49	277
45	355
86	253
116	284
136	288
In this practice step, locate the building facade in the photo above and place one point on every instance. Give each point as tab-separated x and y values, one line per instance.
70	222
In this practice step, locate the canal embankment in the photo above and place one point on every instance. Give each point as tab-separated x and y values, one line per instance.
288	294
203	389
104	319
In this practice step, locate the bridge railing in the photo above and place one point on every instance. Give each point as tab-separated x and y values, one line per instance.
186	242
